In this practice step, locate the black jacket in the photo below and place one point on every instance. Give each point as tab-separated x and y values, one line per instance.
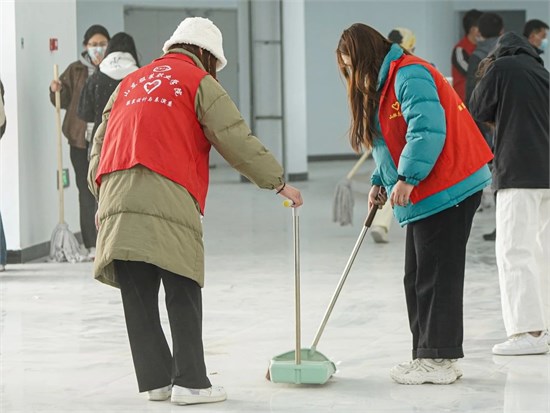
514	94
95	95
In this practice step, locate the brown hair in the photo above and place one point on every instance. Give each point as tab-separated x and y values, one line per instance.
484	66
207	59
366	49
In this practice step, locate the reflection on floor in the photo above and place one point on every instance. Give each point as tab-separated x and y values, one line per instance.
64	346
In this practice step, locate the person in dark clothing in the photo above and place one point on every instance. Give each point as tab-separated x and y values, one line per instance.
490	27
462	51
120	59
536	33
513	94
78	132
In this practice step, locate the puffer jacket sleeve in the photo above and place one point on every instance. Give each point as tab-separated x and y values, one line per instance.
98	144
484	100
86	104
227	131
425	118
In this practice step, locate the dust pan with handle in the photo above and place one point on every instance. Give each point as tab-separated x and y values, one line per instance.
307	365
300	366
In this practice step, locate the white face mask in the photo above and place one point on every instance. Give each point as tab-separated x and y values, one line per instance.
96	53
544	44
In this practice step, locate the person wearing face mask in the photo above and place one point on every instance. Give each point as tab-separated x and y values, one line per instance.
78	132
536	32
120	60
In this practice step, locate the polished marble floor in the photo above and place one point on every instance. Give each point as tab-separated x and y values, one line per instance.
64	347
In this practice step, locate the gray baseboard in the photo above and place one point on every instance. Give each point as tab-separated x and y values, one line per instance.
340	157
303	176
33	252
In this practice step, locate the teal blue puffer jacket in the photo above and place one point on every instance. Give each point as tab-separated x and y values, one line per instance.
426	129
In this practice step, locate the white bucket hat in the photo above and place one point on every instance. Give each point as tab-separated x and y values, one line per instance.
200	32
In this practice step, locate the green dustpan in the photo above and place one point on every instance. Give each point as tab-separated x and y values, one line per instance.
300	366
307	365
312	368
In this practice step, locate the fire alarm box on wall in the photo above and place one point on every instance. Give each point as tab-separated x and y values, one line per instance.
53	44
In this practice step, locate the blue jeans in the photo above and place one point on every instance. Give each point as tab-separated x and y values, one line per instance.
3	248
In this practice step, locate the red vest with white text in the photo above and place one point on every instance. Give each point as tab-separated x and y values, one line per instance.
153	123
465	150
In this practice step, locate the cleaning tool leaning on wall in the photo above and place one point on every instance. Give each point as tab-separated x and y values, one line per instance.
149	171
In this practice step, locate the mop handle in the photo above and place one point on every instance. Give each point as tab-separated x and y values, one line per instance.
358	164
347	269
296	231
59	149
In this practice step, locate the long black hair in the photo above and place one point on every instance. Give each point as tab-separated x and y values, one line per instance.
122	42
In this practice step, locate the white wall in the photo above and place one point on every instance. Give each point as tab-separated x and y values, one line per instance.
9	149
437	28
29	195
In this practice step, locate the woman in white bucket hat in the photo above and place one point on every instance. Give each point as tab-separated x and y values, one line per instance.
149	171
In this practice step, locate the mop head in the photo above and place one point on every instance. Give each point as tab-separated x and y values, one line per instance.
64	246
342	208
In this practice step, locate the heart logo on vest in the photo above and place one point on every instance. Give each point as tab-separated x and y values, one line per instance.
395	106
150	86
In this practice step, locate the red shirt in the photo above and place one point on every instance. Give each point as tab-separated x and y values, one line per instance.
153	123
465	150
461	55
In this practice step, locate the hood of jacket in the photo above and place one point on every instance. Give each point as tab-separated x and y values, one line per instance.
118	65
511	44
487	46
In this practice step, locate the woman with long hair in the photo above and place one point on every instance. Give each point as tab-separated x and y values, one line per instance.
432	162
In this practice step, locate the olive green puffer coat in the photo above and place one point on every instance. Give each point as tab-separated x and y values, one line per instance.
146	217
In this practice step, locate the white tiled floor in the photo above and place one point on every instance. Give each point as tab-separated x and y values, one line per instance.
64	346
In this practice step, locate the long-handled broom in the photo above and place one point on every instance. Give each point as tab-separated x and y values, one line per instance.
342	207
63	244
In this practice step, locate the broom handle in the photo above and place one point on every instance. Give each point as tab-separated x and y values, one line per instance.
358	164
59	148
296	231
347	269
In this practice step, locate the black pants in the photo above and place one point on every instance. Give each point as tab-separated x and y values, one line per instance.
79	159
435	256
154	364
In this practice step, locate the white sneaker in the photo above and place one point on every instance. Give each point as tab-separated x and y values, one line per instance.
183	395
409	364
2	268
436	371
91	253
379	234
159	395
523	344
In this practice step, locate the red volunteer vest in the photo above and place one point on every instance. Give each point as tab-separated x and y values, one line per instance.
153	123
459	80
465	150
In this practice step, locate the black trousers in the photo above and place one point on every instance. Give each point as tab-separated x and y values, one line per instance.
435	256
154	364
87	203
